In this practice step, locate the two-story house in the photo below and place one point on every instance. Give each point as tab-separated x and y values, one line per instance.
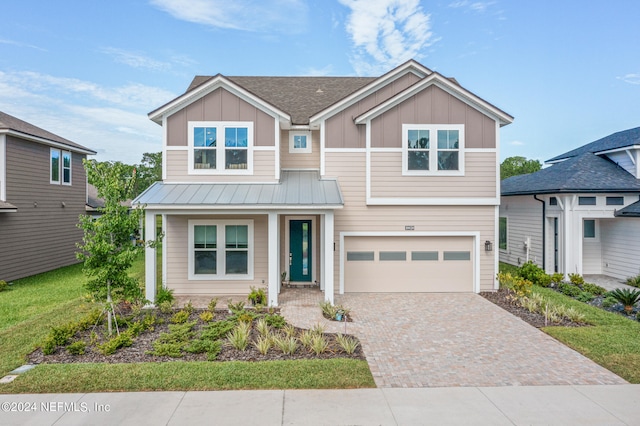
43	191
386	184
580	215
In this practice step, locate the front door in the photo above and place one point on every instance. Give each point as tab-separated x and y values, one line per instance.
300	250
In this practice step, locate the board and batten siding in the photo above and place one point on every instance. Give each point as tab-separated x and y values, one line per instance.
620	239
177	258
177	169
357	216
299	160
479	178
42	234
340	130
524	219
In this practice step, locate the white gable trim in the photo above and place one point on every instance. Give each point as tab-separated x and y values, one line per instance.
408	67
445	84
217	82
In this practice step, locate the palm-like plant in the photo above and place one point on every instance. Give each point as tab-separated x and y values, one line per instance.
627	297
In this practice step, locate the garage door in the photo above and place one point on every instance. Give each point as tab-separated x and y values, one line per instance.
408	264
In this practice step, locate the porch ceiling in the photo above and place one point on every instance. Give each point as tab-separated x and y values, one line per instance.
297	188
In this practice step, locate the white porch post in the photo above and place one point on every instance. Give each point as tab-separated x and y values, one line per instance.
150	257
328	254
274	273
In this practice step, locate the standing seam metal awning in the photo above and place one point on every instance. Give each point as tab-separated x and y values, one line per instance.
296	188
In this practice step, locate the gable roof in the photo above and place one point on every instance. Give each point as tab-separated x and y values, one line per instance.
19	128
586	173
618	140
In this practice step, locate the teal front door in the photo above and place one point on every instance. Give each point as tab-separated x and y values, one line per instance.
300	250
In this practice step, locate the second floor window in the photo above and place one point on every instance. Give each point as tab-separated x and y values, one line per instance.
220	147
60	167
432	149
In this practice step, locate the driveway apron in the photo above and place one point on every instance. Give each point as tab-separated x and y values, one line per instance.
447	339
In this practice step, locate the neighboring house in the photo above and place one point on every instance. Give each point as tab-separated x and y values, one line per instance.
42	193
385	184
580	214
94	202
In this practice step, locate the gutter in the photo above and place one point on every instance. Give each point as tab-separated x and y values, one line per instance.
544	234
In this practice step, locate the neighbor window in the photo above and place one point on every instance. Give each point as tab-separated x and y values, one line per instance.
432	149
587	201
231	154
60	166
589	228
553	201
300	142
615	201
221	250
502	234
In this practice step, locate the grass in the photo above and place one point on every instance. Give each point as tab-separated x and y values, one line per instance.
613	341
295	374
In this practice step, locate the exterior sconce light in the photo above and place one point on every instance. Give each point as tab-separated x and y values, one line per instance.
488	246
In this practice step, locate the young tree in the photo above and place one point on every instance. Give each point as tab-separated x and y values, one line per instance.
107	249
148	171
514	166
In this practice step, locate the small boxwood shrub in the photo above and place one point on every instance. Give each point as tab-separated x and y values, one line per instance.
594	289
569	289
532	272
77	348
3	285
557	278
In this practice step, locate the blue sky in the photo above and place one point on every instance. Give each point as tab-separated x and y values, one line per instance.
91	70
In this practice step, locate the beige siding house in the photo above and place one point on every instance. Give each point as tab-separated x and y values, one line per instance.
43	191
351	184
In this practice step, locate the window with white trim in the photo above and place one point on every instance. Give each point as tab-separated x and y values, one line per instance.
429	149
60	166
502	233
299	142
208	154
220	249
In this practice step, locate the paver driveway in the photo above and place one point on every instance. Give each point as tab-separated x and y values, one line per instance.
447	339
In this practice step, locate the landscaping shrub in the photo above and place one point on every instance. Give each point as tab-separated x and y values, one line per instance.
164	295
180	317
257	296
206	316
585	297
166	307
594	289
633	281
77	348
217	330
576	279
569	289
212	304
519	285
608	301
532	272
116	342
557	278
627	297
274	320
3	285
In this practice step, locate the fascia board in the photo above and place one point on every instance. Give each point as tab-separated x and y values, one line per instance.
48	142
208	87
444	84
410	66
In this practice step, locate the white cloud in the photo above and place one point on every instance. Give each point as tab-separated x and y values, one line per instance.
633	78
386	33
20	44
136	60
319	72
110	120
477	6
517	143
282	16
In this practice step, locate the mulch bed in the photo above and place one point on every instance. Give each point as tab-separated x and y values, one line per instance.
535	319
143	343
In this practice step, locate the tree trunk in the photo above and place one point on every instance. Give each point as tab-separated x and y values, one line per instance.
109	309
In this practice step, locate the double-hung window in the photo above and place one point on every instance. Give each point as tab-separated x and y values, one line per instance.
220	249
429	149
220	147
60	167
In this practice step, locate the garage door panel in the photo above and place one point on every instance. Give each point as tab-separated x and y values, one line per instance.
408	264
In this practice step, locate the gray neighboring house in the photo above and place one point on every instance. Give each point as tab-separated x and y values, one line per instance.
43	191
580	215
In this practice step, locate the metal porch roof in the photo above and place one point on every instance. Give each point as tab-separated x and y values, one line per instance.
296	188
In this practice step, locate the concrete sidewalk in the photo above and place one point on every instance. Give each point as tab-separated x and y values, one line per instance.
507	405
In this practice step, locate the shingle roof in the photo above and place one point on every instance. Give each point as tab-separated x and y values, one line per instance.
617	140
584	173
632	210
9	122
300	97
296	188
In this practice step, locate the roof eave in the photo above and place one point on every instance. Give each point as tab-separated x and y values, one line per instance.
45	141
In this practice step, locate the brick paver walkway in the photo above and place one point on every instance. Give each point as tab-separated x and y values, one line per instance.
443	339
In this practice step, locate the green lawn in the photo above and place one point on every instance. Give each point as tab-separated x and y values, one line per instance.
33	305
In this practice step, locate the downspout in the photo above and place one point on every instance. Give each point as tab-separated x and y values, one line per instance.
544	234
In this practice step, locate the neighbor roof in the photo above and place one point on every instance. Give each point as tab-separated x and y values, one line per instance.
296	188
632	210
617	140
584	173
10	123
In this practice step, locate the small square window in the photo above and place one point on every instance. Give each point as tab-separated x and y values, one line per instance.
300	142
553	201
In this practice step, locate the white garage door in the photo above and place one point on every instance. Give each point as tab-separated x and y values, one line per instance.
408	264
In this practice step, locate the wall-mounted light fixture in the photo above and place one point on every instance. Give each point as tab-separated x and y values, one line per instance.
488	246
35	204
63	204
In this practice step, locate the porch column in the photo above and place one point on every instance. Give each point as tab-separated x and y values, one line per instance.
150	257
328	255
274	272
572	244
